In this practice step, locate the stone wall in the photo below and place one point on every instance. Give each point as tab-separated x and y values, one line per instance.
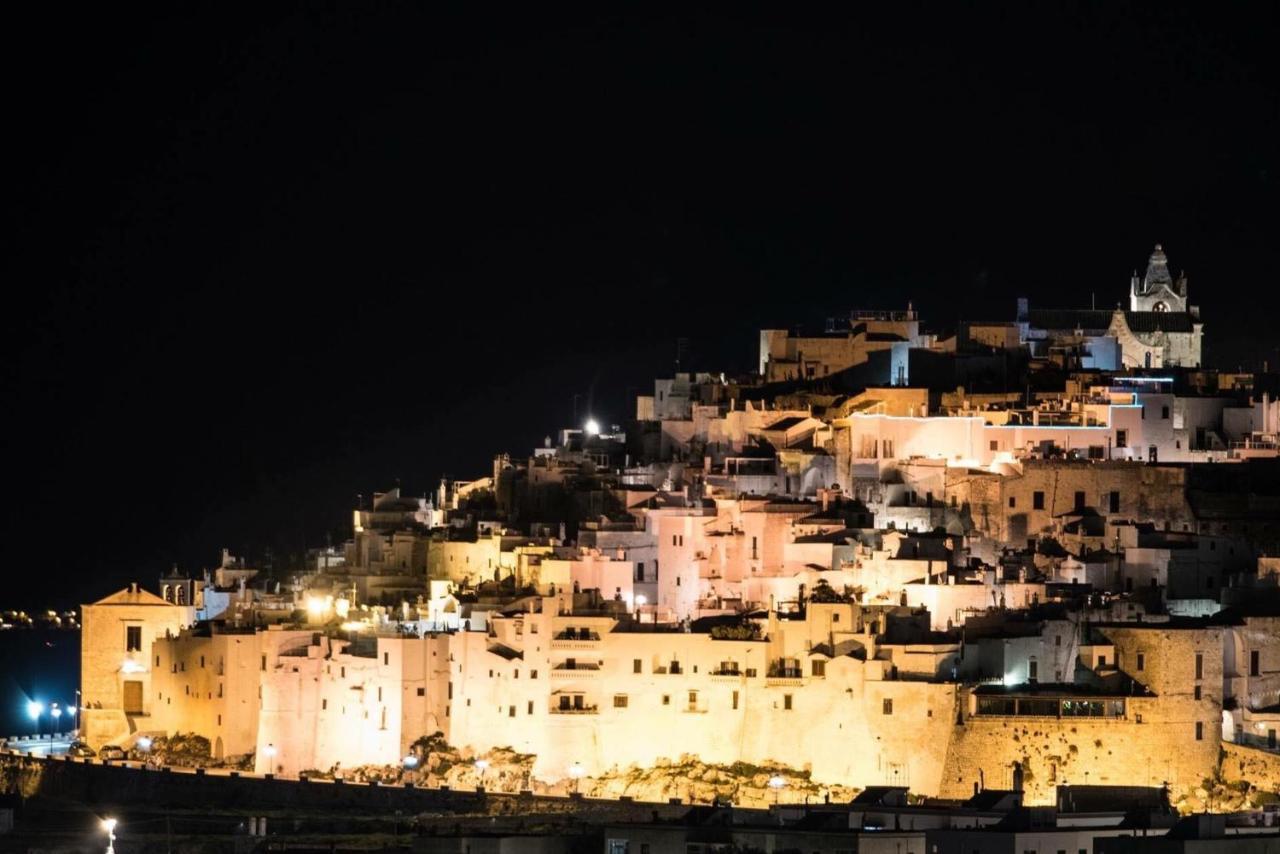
1251	765
1078	751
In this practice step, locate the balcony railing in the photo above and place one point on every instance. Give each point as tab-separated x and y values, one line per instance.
572	710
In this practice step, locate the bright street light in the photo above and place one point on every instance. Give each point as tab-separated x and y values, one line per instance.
269	750
109	825
34	708
576	771
776	783
592	427
144	744
411	761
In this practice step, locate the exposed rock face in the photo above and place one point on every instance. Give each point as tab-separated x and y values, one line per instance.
689	779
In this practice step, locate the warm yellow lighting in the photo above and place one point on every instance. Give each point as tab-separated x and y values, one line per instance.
342	607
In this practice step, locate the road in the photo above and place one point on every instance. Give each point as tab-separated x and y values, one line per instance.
54	745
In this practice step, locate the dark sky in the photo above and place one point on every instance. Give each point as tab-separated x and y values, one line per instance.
260	262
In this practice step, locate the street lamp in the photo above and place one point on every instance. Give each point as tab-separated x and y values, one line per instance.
411	762
34	708
482	765
109	825
776	783
57	715
576	771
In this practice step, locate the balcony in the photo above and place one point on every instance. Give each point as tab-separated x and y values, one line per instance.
576	640
580	671
575	710
784	682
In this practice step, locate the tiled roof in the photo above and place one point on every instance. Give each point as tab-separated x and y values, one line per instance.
1099	320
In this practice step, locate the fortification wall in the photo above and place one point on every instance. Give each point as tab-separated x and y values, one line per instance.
1078	751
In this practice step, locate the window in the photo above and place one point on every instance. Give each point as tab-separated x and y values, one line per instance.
887	707
1013	502
735	700
888	449
1113	501
422	692
1164	412
666	699
1199	730
1079	505
1200	666
1037	500
533	674
530	707
639	571
677	581
133	638
786	702
619	701
693	701
1122	438
511	712
202	662
1254	663
995	445
1142	660
819	668
324	704
1033	670
751	673
379	693
1197	692
386	658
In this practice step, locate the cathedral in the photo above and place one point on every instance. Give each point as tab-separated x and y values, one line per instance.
1159	329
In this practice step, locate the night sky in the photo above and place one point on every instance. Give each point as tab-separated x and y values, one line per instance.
259	262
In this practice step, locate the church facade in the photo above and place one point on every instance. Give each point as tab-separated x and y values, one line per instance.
1158	330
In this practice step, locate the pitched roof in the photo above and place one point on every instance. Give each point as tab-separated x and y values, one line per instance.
1098	320
133	595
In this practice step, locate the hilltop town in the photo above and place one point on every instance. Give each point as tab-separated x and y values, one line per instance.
1019	554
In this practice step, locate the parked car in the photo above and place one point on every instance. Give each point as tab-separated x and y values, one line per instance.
81	750
111	751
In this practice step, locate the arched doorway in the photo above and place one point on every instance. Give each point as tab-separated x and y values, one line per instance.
217	748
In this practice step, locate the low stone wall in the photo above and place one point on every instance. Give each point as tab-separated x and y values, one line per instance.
1251	765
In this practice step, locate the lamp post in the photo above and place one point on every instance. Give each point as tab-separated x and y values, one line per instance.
34	708
56	711
776	783
109	825
576	771
482	765
269	752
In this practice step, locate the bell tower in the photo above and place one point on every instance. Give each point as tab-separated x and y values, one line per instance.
1157	290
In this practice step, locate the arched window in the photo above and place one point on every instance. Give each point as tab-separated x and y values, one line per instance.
181	598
